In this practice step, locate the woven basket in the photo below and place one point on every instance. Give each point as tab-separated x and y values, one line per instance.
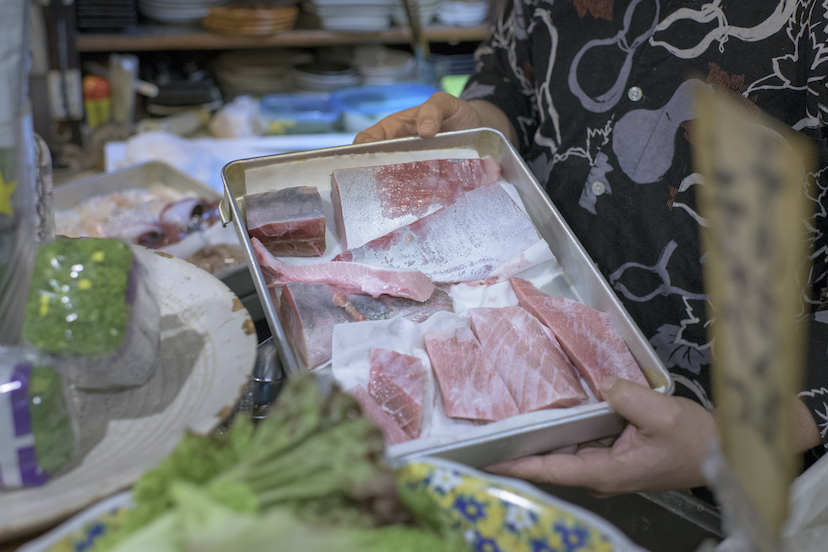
229	20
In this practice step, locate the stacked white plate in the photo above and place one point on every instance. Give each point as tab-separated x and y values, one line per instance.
463	13
427	10
257	72
381	65
177	11
354	15
324	77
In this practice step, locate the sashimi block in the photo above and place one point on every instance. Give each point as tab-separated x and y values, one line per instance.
462	241
351	277
390	430
471	388
308	312
396	383
289	222
371	201
526	355
587	335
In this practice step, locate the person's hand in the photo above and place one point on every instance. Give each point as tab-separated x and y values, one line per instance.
661	448
441	112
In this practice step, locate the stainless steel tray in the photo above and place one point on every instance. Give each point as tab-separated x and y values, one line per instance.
260	174
145	175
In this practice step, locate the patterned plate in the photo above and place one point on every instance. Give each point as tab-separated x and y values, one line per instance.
504	514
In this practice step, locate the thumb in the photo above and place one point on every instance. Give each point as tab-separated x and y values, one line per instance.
641	406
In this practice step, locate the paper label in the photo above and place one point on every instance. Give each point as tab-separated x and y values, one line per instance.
754	170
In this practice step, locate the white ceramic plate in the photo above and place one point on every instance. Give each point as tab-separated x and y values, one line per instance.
207	352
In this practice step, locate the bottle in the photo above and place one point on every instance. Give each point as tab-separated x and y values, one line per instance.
96	100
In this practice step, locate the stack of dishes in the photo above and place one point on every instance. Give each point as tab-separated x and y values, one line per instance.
257	72
177	11
354	15
324	76
463	13
111	15
427	9
235	20
381	65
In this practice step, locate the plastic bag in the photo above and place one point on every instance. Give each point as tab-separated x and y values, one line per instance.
41	434
94	308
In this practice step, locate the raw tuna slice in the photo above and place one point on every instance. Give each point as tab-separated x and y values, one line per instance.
352	277
470	386
390	430
308	312
463	241
371	201
587	335
290	222
396	383
526	355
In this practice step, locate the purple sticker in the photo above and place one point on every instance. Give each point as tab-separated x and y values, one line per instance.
20	400
30	472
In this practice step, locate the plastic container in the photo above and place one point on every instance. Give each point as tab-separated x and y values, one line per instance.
362	106
298	114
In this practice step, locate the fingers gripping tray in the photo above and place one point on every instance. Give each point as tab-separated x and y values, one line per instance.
577	278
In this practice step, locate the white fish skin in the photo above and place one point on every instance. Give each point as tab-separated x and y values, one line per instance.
463	241
372	201
351	277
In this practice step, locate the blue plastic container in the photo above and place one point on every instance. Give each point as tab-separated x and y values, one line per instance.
362	106
299	113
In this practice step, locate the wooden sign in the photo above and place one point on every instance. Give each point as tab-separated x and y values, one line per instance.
752	198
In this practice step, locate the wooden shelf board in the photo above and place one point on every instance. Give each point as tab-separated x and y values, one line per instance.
168	37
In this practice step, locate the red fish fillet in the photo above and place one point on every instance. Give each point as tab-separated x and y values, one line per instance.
526	355
463	241
290	222
351	277
371	201
587	335
396	383
470	386
390	430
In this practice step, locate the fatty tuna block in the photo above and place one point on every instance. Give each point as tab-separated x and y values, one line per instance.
471	388
396	383
308	312
390	430
587	336
289	222
371	201
460	242
526	355
351	277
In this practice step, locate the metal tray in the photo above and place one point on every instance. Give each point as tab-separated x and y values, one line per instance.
260	174
145	175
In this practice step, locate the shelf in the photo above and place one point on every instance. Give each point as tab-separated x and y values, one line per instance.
169	37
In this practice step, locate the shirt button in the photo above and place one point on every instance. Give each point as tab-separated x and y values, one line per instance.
598	187
635	94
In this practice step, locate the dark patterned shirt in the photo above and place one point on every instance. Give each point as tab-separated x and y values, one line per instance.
600	93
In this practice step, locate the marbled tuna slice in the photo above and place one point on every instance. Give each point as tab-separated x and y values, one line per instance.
396	383
371	201
351	277
526	355
587	335
463	241
470	386
290	222
309	311
390	430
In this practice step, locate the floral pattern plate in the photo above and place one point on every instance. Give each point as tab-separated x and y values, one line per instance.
504	514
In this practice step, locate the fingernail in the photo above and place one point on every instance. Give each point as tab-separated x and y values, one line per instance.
607	383
428	124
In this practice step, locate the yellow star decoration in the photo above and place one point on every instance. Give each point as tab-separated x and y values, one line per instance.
6	191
